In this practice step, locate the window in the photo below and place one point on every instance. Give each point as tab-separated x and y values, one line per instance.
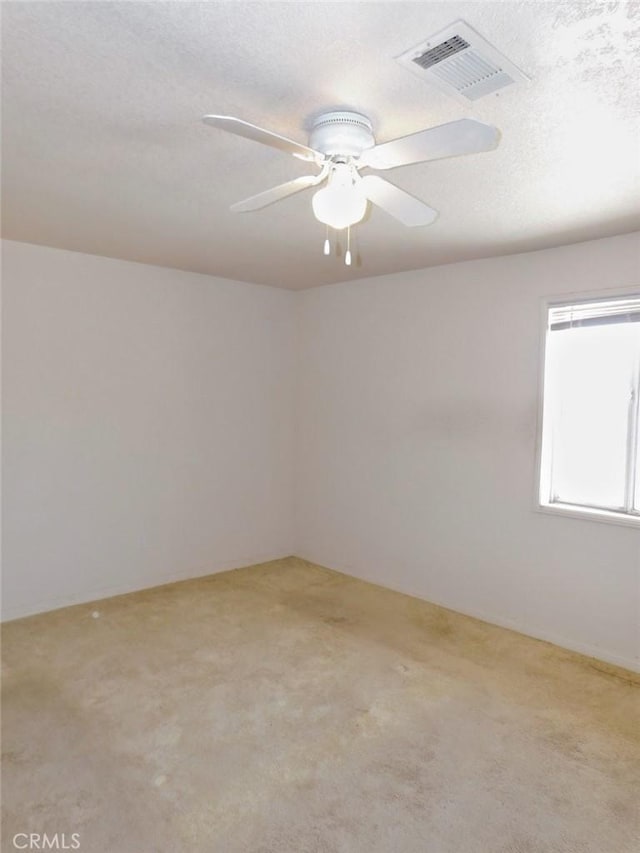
590	460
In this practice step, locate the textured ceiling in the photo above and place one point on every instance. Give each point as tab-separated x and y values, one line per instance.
104	151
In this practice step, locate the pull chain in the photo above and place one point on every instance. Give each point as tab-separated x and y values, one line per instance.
347	257
327	244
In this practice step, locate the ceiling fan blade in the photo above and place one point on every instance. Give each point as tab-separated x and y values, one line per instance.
267	137
396	202
465	136
256	202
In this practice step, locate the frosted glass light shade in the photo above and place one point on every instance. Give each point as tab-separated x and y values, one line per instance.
339	206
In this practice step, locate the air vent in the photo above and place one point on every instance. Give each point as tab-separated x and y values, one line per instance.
461	63
441	51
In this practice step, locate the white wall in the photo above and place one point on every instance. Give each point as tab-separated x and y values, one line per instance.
416	435
148	436
147	426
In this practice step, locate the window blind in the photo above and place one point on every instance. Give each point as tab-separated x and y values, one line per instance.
621	310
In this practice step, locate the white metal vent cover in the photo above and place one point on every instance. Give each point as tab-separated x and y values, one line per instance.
461	63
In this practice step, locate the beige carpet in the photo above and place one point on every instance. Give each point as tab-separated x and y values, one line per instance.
291	709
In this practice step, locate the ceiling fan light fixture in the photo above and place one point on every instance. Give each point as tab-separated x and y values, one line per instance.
339	207
341	203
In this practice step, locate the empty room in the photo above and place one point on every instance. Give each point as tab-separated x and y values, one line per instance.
321	427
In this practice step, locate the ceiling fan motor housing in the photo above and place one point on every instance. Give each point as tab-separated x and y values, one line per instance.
345	134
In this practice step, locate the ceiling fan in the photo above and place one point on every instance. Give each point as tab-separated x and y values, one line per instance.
341	144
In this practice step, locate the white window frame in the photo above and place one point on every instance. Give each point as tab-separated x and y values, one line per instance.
561	509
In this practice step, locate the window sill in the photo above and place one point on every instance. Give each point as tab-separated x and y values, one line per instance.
589	514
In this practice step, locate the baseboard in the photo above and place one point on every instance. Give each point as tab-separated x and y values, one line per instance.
44	606
9	614
632	664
